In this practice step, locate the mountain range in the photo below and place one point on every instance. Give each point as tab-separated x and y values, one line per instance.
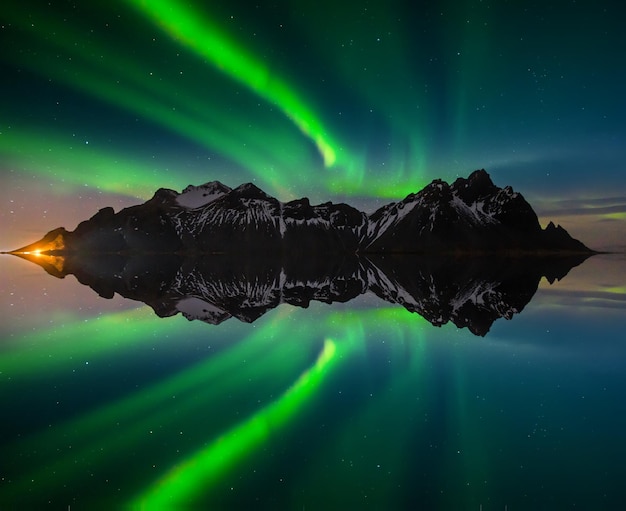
470	216
470	292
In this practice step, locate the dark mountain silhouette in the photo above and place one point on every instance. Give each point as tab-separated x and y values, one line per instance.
470	292
466	253
471	216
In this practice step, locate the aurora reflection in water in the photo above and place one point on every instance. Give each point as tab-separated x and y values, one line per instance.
336	406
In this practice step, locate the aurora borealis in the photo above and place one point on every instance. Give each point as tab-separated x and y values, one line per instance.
335	406
360	102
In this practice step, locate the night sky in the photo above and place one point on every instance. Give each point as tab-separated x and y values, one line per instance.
362	102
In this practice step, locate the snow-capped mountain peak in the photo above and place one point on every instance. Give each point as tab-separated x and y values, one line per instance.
194	197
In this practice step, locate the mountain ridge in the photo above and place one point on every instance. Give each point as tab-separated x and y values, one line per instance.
471	215
469	292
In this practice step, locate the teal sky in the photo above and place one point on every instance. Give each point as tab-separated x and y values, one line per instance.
362	102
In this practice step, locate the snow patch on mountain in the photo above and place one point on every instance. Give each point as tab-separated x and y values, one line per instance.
194	197
393	215
194	308
475	213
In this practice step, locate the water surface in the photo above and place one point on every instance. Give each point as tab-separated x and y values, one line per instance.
361	405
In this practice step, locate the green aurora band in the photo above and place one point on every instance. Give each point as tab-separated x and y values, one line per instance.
198	33
131	85
385	58
74	164
204	107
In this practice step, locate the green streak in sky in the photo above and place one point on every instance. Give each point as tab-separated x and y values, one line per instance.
203	36
613	216
185	481
366	47
76	164
214	106
379	187
469	24
180	103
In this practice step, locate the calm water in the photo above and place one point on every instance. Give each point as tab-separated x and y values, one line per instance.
345	406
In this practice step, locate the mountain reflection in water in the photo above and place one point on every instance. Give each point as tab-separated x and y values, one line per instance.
347	406
470	292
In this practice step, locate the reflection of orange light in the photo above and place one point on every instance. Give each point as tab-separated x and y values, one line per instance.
44	247
53	264
47	252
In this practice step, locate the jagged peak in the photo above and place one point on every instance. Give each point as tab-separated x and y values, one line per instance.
198	196
165	193
251	190
480	175
554	227
477	182
303	202
209	186
438	184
